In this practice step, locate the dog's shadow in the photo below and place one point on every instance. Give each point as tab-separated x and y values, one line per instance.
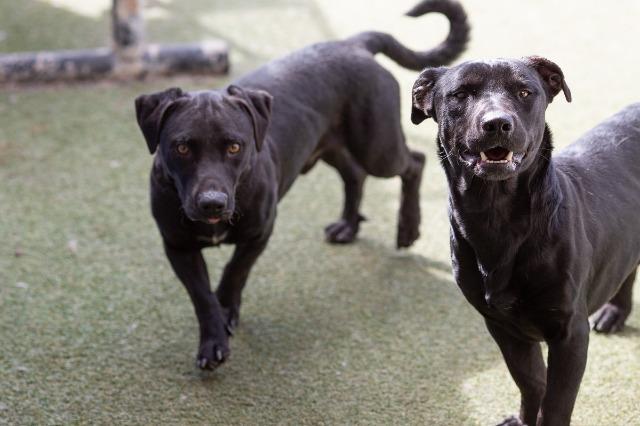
629	331
378	325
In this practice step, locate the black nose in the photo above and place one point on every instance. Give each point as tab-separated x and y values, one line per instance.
212	203
497	124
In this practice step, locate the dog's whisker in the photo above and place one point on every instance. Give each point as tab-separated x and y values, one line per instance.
539	154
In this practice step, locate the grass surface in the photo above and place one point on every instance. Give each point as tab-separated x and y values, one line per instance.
94	328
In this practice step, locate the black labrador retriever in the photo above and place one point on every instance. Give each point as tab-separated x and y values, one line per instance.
538	243
224	158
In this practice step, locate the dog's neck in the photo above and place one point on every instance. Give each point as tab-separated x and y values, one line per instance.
497	217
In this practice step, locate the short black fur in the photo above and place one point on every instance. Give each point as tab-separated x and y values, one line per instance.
538	242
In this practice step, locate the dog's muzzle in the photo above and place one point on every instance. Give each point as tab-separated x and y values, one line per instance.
212	205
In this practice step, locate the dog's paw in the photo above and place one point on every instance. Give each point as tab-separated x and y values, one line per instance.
212	353
512	421
609	319
341	232
231	317
408	233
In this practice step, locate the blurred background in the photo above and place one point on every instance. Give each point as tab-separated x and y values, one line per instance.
95	328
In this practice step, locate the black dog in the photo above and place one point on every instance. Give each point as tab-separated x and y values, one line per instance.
537	243
225	158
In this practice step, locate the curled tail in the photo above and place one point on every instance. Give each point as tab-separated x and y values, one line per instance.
445	52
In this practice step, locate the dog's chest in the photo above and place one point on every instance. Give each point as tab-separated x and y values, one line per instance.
495	293
506	307
215	237
531	310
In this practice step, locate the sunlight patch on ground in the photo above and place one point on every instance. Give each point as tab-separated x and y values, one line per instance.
491	395
299	20
88	8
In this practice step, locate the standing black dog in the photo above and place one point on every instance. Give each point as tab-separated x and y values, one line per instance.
537	243
225	158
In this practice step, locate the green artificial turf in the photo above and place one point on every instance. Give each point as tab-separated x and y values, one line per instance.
94	327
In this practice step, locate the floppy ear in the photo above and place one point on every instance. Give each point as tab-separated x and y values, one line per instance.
151	112
422	95
551	75
258	105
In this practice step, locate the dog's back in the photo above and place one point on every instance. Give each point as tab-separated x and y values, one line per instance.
613	143
336	90
602	168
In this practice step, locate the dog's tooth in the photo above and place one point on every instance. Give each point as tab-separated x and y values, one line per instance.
483	156
510	156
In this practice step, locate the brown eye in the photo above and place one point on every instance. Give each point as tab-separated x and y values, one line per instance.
234	148
524	93
182	149
461	94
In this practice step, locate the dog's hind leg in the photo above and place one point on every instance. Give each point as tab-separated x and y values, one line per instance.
409	216
611	317
346	228
376	141
409	165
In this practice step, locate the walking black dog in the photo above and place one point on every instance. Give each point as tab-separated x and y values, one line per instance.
225	158
537	243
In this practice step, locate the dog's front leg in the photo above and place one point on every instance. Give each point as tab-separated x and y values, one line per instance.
526	365
567	360
235	276
191	269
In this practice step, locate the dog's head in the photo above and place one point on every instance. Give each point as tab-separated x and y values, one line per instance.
205	141
490	114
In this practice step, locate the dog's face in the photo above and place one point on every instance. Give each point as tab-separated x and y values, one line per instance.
205	142
490	113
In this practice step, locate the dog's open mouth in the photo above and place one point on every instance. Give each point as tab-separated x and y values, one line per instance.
218	218
496	155
494	163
